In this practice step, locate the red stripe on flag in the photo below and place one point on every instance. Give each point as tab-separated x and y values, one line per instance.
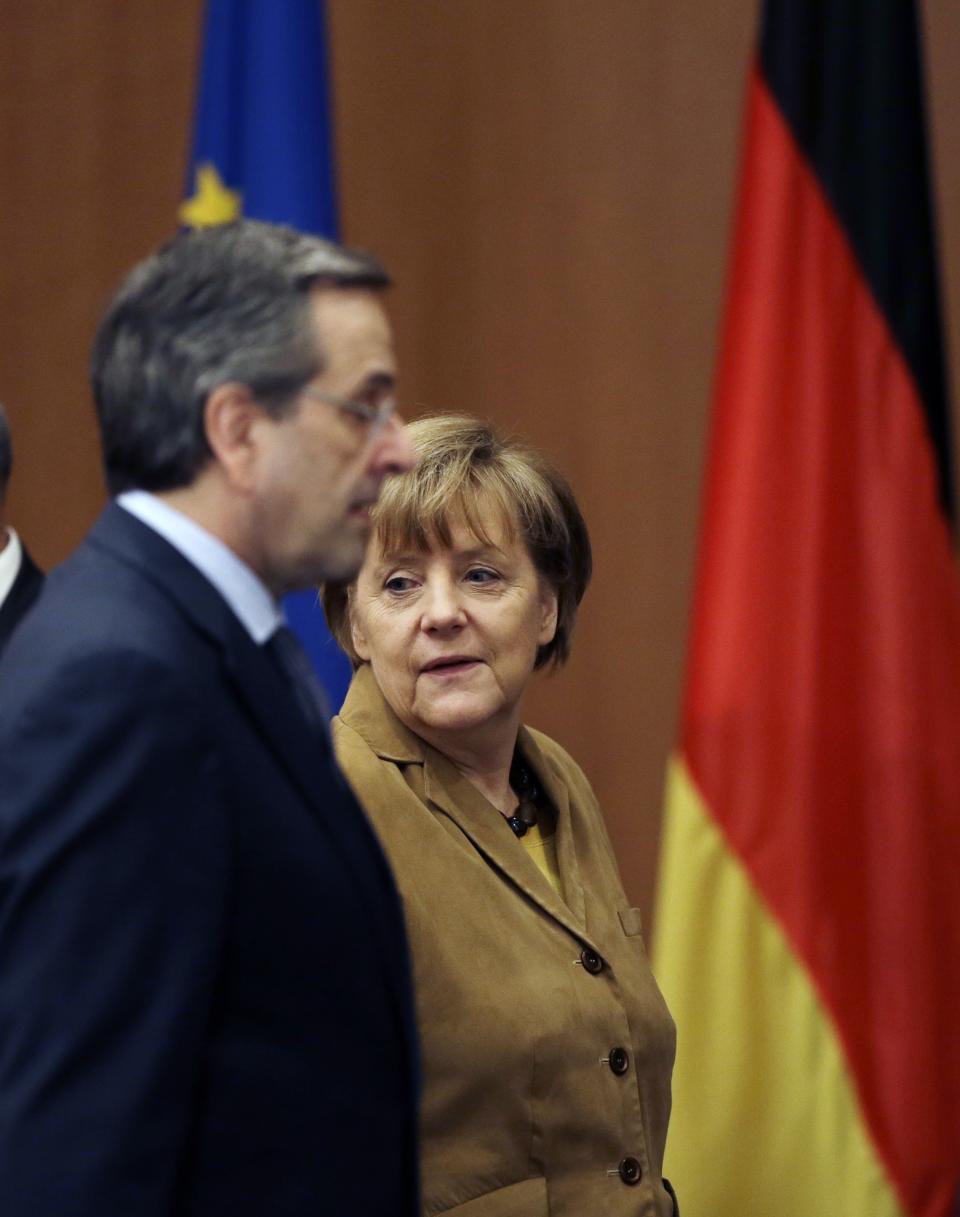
822	712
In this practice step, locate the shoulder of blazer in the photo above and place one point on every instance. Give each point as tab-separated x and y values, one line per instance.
377	780
120	536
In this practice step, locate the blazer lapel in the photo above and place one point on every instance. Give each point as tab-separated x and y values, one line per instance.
452	794
559	796
449	792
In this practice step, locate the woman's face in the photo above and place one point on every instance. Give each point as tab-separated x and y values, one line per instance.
452	633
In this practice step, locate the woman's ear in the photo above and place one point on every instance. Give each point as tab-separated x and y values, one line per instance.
548	614
357	636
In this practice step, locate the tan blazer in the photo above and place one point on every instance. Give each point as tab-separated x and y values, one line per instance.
524	1111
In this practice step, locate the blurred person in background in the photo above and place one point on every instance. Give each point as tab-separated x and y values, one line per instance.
205	1005
547	1048
20	577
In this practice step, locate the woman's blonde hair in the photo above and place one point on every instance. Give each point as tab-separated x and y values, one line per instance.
465	469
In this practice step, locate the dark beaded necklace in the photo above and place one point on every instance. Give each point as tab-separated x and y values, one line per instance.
524	785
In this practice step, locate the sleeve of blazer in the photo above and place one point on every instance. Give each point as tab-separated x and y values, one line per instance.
113	876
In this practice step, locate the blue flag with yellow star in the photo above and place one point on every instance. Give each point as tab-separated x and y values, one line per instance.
263	148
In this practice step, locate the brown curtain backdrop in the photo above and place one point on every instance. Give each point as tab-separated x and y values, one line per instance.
550	182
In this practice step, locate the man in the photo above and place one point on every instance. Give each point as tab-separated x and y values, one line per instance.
20	578
204	992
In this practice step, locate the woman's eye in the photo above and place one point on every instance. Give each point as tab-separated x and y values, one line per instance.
481	575
398	584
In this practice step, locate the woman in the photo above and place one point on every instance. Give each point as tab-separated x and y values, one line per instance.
547	1048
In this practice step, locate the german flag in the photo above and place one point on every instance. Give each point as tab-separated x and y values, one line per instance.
809	899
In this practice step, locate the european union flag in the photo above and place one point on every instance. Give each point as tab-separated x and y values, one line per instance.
263	148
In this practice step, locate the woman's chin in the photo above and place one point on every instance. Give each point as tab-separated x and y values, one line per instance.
454	712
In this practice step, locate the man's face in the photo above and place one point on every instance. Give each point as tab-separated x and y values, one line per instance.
321	469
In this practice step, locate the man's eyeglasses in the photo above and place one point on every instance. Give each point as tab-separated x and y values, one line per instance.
372	415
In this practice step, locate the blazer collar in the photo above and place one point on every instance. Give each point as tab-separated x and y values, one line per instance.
29	571
26	583
366	711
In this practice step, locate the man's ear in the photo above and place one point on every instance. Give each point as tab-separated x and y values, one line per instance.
231	417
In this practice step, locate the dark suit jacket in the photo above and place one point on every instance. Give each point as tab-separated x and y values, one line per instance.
205	1004
26	588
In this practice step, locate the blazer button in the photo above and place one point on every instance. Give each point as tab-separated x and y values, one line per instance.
619	1060
630	1171
592	962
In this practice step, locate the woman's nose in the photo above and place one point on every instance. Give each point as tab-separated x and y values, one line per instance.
442	607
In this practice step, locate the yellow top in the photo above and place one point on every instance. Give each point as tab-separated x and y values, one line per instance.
540	842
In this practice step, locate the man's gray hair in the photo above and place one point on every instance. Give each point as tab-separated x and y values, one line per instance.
6	454
215	305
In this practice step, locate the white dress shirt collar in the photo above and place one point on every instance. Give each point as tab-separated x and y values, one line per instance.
10	558
246	594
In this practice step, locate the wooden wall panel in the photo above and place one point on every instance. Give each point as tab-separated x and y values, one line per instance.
94	116
550	182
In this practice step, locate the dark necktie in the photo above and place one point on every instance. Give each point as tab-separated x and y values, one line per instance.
285	647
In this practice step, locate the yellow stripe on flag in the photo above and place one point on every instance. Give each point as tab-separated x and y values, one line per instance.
765	1120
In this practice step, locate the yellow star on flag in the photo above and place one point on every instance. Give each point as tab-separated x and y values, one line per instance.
213	202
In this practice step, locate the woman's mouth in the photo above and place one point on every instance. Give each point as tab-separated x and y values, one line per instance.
448	666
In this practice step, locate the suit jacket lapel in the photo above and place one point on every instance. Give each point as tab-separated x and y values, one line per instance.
256	678
24	590
308	758
262	690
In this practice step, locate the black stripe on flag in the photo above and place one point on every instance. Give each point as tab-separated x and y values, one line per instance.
846	76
